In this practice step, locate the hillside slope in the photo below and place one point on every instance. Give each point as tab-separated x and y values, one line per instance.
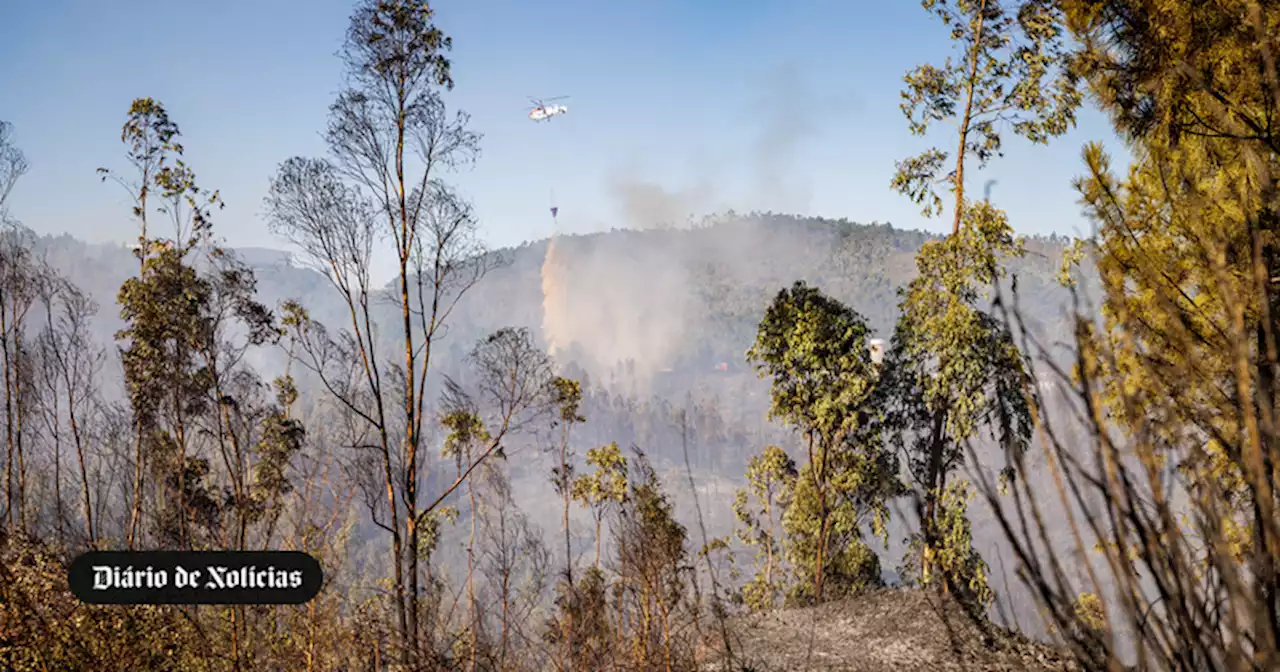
891	629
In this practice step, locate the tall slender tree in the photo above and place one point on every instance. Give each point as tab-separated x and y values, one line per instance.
391	139
947	352
1008	74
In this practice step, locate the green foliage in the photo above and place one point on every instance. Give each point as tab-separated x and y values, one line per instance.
604	488
466	431
1009	73
836	511
397	40
567	397
608	483
814	350
1072	257
823	383
581	621
950	355
952	369
430	525
953	560
1090	612
770	480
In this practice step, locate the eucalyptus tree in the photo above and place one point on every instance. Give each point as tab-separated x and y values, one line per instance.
391	139
824	384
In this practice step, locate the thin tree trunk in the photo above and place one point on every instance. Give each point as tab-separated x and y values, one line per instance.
185	536
471	587
57	468
19	394
10	462
564	486
73	419
934	485
968	116
768	566
505	637
597	562
135	517
568	548
817	469
410	394
407	638
818	565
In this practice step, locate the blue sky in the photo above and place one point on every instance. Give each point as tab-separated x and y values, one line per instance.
707	105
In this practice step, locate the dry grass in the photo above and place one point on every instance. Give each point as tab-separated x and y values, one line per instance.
890	629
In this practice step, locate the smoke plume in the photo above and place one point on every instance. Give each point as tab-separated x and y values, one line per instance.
645	204
555	281
615	300
789	114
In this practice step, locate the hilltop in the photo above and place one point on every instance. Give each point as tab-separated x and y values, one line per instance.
673	300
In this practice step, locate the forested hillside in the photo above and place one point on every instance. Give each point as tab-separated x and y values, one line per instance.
662	317
756	442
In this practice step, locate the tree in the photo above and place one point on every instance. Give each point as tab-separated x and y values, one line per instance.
390	137
1177	381
603	488
467	432
13	165
580	624
19	279
950	364
153	147
217	454
770	479
177	365
823	383
825	523
653	565
71	362
514	386
1008	73
16	296
515	563
568	402
954	369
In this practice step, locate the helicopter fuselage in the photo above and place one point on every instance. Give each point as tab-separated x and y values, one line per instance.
545	112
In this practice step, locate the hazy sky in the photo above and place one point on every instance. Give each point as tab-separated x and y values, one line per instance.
675	106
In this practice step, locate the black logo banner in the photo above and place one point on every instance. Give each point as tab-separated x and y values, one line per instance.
195	577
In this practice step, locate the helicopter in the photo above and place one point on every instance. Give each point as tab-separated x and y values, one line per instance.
543	112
